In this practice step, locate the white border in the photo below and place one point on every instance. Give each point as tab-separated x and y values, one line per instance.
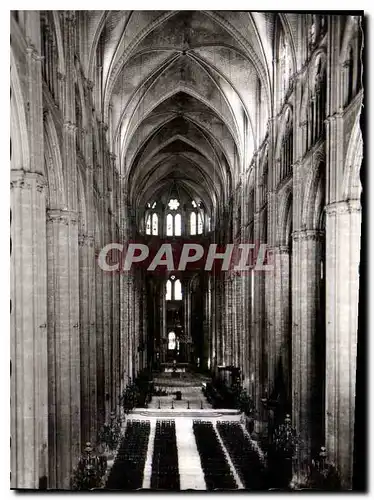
365	5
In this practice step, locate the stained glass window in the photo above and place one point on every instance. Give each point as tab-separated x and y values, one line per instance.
193	223
173	204
169	225
177	290
154	224
148	225
178	225
171	341
199	224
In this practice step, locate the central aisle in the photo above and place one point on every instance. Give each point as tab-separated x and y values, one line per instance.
148	463
190	472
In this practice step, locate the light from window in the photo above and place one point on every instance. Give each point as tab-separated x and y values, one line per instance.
178	225
169	225
154	224
285	65
148	225
171	341
173	204
193	223
194	204
177	290
209	224
154	205
168	290
199	224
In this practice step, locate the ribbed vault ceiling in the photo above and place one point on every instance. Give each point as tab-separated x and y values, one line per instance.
181	88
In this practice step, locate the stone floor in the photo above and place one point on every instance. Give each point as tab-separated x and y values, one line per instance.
189	384
187	379
192	398
191	475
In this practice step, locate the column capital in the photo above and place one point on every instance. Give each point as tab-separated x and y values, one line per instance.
104	126
86	240
61	76
89	84
31	50
343	207
70	126
62	215
333	117
24	179
307	234
283	249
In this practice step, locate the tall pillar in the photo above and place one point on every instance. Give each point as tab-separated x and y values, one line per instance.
63	346
100	374
272	327
28	280
124	330
117	329
107	311
92	343
29	368
187	317
214	325
206	324
343	229
84	337
87	338
217	314
136	323
258	326
307	383
280	340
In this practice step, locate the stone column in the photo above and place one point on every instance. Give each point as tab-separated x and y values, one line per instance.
214	325
129	327
307	383
87	339
187	317
227	326
259	359
206	323
116	333
28	340
100	375
84	338
162	316
343	229
220	326
246	337
136	323
107	310
280	342
63	346
239	322
272	327
92	342
124	330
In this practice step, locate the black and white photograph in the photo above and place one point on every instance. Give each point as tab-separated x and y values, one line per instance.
187	233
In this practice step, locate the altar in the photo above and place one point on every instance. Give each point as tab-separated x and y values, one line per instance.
176	369
173	367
